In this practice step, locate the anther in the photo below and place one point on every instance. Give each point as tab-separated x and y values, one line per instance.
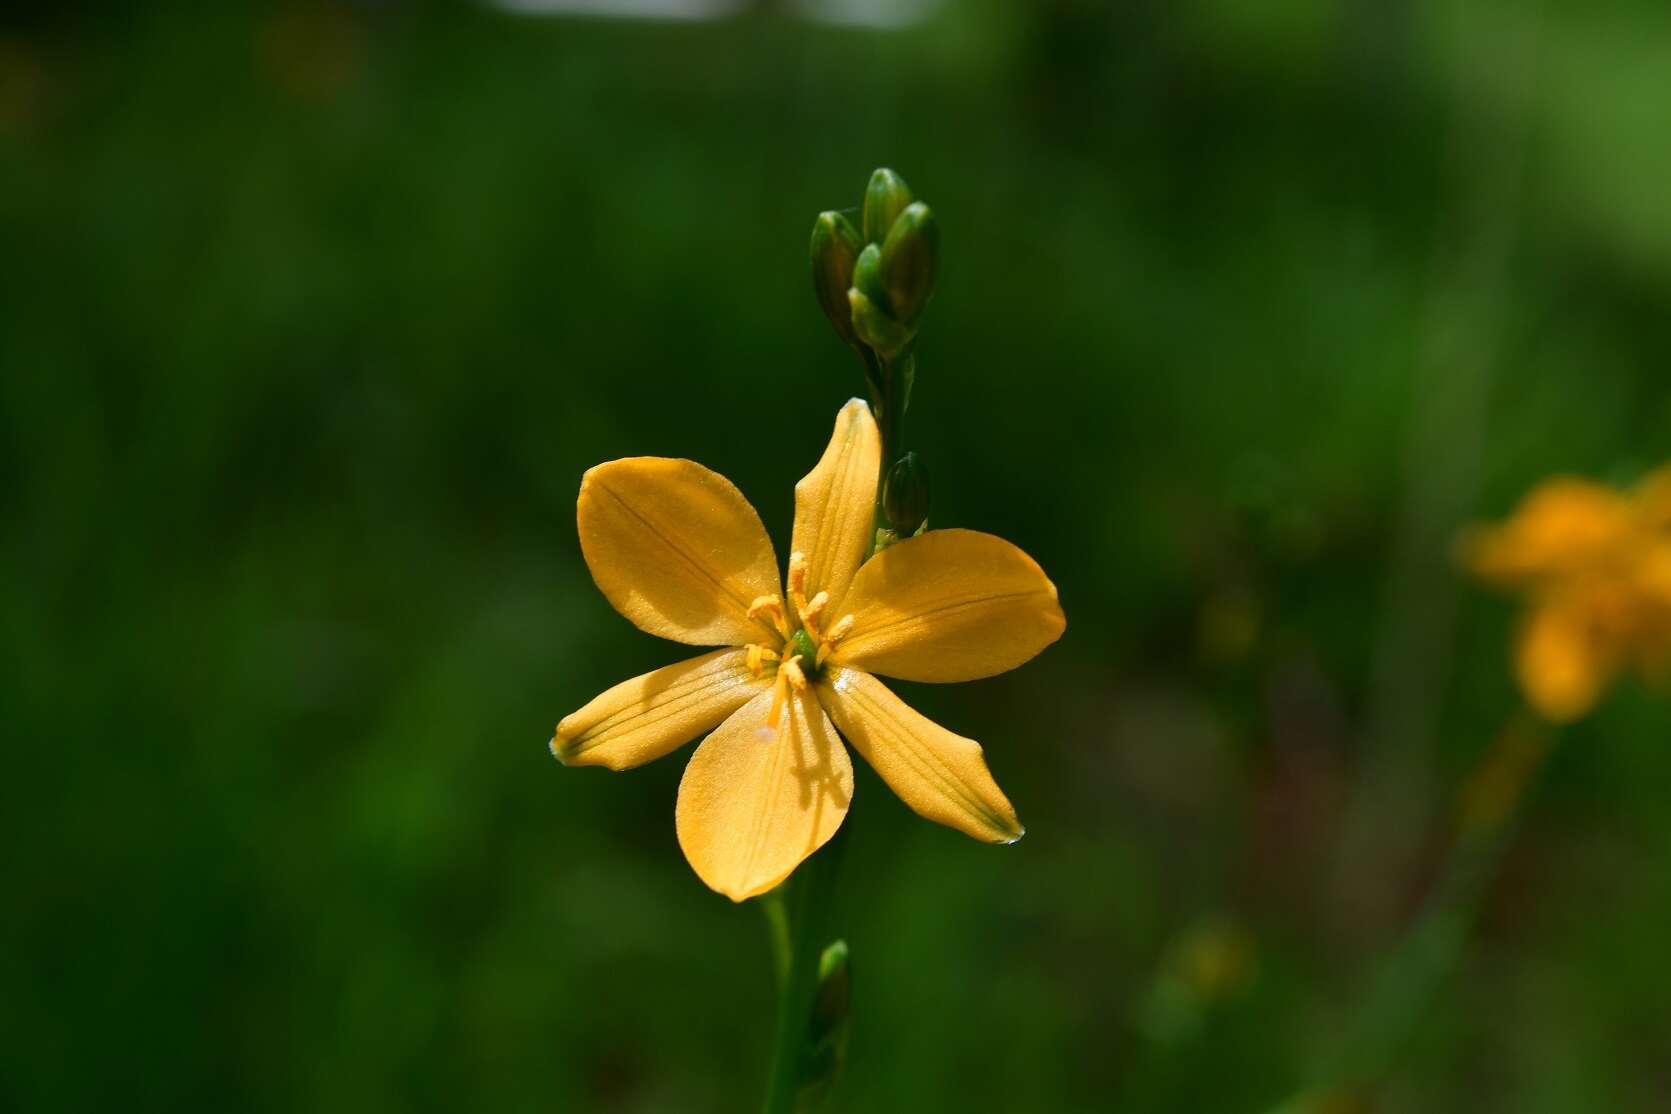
835	634
797	581
788	674
772	607
815	607
758	655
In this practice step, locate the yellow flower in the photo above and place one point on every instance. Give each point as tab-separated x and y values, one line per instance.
679	552
1595	566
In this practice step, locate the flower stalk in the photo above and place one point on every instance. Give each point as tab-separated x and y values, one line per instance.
804	901
873	283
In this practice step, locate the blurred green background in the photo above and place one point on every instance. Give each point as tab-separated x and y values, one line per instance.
312	317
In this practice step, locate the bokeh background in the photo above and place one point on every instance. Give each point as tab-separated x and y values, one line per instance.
312	316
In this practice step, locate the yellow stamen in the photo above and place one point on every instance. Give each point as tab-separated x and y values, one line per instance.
758	655
797	582
772	607
788	673
835	634
814	608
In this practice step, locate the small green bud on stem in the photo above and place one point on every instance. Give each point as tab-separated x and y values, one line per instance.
905	495
826	1042
835	249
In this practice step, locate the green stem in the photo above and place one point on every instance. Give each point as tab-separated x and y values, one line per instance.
777	930
875	376
895	376
805	907
893	410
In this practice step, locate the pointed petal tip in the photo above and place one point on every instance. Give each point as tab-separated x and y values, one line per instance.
592	475
1009	840
1054	610
738	891
739	895
751	810
950	605
564	750
574	753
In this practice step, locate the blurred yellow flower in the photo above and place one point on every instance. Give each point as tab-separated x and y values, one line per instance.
679	552
1595	567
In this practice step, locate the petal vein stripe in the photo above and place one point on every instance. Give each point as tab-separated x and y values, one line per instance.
673	700
678	551
943	610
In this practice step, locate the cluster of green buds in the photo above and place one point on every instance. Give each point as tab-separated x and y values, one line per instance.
873	281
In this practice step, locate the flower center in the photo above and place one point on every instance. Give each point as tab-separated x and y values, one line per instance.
802	645
804	648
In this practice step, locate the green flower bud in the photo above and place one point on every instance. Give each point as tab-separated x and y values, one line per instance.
867	276
835	248
885	198
825	1050
910	256
905	495
875	327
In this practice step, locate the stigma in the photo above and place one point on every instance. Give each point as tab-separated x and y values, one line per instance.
813	641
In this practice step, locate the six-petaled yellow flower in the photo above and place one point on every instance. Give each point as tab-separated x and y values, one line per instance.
1595	565
677	550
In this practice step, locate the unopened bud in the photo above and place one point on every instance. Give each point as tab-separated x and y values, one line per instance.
909	258
905	495
835	248
867	276
886	197
825	1050
875	327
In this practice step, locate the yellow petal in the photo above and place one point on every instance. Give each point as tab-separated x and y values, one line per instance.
1653	498
676	549
948	605
640	720
942	776
1563	526
1561	663
835	505
1653	650
755	801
